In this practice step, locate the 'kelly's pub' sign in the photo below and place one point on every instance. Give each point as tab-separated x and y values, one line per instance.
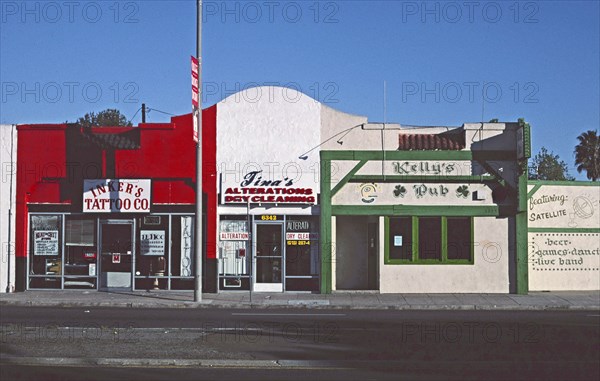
116	196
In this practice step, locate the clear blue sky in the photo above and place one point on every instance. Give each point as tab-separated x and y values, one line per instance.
537	60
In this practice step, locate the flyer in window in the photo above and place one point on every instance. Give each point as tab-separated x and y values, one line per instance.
45	242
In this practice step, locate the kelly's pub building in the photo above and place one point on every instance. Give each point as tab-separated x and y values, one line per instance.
297	197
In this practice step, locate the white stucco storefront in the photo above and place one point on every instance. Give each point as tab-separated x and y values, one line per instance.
269	215
436	220
314	199
8	158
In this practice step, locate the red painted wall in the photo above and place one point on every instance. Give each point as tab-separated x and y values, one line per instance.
49	172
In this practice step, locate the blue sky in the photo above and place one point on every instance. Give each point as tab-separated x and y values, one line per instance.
444	63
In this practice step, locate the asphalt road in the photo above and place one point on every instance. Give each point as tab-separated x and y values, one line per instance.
154	344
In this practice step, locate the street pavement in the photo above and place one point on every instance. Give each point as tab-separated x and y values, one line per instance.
99	343
572	300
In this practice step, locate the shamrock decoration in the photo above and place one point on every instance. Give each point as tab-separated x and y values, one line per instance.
462	191
400	191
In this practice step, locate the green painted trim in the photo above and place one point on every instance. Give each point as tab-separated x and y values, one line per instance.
421	179
564	230
348	176
386	239
563	183
415	239
521	225
419	155
522	193
326	239
533	190
415	246
473	239
444	227
413	210
396	155
428	262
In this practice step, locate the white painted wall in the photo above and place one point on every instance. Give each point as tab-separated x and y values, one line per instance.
490	271
268	128
488	274
8	158
567	260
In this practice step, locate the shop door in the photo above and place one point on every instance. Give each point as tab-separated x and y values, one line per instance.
116	254
268	257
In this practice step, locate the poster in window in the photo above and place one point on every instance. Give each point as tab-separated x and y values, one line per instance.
45	242
152	242
186	246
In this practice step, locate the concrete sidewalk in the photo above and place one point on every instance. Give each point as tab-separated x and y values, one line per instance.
575	300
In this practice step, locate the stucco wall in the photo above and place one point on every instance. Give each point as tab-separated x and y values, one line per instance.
8	157
564	236
268	128
488	274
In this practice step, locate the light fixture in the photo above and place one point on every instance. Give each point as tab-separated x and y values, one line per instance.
304	156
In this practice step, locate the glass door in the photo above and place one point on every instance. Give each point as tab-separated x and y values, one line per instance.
116	254
268	257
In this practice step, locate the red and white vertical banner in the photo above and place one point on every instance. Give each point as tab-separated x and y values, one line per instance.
195	96
195	117
195	101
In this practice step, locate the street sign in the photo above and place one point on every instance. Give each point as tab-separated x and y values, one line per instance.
195	101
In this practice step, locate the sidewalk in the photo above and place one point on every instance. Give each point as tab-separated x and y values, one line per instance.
573	300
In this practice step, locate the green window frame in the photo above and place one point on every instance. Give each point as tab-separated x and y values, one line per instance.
415	260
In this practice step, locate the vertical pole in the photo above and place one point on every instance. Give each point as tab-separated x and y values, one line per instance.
199	222
143	113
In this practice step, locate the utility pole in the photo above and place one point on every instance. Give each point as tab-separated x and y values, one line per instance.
199	222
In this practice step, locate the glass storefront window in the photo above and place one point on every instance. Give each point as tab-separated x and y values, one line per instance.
182	251
234	253
80	252
152	253
302	253
45	253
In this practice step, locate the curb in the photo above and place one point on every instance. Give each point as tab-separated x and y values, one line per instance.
296	306
147	362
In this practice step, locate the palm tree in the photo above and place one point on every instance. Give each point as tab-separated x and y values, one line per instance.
587	154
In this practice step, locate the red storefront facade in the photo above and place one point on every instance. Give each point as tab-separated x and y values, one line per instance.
141	235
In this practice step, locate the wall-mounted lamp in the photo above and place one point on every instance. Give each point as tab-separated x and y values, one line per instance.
345	132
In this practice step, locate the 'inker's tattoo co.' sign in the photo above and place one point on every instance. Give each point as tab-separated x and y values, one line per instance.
116	196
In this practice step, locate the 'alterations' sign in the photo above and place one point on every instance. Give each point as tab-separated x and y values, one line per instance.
255	189
116	196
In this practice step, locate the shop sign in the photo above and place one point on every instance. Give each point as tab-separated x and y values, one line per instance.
424	168
45	242
294	226
152	242
116	258
255	189
234	236
116	196
301	236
